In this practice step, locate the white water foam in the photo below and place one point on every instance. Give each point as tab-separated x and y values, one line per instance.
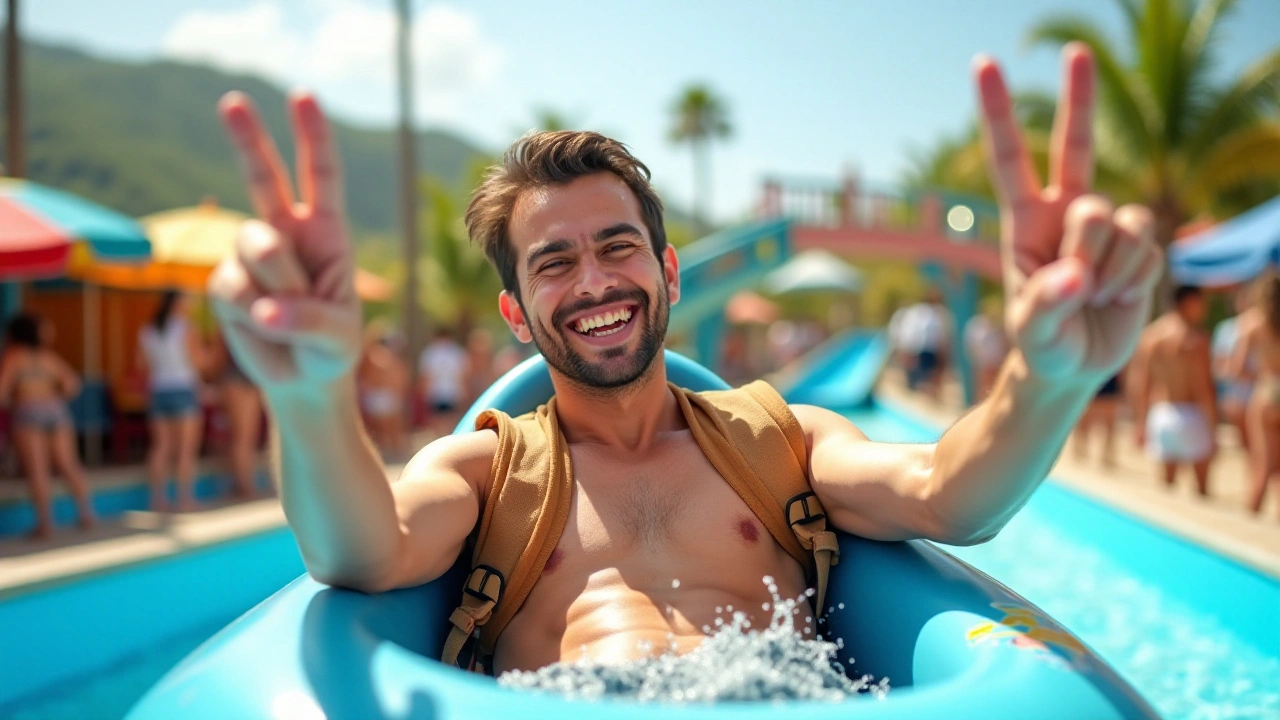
734	663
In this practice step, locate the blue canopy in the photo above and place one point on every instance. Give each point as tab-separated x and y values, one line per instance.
1231	252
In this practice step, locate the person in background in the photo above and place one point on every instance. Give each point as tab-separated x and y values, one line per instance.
1260	344
1104	411
1172	388
243	405
987	345
897	342
1235	385
170	357
382	378
35	385
926	332
442	367
480	373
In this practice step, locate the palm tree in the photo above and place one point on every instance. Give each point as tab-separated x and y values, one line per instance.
460	284
1165	134
548	119
700	117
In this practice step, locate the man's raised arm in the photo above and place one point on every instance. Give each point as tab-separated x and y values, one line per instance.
287	305
1078	277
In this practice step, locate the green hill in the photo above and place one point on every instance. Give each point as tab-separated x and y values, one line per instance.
142	137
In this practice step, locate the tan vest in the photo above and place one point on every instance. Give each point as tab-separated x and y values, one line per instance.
750	437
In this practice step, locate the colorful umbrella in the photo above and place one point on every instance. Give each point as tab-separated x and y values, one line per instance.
187	243
1230	252
46	232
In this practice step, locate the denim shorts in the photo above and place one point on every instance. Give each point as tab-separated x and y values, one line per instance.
174	403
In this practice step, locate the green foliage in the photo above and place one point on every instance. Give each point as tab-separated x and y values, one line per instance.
459	286
1165	134
699	116
144	137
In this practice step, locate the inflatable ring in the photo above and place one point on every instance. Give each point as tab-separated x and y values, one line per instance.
952	642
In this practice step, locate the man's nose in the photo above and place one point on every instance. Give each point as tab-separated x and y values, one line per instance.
594	280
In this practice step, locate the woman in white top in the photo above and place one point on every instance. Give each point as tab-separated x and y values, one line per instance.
170	354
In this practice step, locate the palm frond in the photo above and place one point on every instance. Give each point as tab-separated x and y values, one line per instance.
1133	116
1132	14
1248	155
1035	109
1255	93
1199	61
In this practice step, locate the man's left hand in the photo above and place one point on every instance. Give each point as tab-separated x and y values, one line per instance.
1079	273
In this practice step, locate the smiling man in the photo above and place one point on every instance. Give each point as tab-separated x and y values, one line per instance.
658	533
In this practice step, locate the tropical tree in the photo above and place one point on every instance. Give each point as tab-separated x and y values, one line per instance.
1165	134
460	287
548	119
700	116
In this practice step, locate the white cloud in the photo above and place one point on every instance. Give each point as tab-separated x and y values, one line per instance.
346	52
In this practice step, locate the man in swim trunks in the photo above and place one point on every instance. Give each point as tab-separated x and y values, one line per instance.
576	233
1175	409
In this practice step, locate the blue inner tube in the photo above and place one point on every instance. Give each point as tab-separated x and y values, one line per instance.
953	642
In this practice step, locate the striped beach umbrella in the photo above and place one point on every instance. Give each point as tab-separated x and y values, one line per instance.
47	233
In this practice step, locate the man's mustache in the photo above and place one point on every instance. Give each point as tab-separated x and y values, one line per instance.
561	316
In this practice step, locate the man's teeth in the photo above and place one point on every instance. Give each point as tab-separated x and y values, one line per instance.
587	324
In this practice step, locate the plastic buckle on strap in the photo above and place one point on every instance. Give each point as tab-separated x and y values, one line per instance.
810	509
478	584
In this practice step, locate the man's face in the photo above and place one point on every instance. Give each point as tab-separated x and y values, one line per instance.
594	297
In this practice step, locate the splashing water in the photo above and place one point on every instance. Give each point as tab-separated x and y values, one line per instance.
734	663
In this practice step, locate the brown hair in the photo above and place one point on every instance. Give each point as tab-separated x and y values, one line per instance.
539	159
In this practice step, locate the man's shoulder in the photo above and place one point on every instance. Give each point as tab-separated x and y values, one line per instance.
462	452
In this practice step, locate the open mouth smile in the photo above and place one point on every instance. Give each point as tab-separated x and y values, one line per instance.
605	323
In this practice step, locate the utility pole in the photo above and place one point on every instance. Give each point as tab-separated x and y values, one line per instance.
15	158
408	195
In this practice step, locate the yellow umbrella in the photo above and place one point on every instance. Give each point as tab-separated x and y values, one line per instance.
186	244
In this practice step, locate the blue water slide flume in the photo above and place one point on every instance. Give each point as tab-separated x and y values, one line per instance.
716	267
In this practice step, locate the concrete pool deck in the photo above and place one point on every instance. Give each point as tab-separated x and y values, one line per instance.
1220	523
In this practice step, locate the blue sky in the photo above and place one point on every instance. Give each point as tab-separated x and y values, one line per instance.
814	85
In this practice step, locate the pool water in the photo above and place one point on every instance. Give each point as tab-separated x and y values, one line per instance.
110	694
1187	662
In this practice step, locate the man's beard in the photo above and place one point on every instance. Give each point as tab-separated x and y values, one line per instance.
561	355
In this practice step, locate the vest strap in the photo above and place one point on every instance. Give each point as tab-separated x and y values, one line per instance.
808	519
480	595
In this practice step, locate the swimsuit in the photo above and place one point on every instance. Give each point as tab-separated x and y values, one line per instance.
47	415
1178	432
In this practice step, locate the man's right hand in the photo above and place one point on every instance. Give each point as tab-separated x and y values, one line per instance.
286	299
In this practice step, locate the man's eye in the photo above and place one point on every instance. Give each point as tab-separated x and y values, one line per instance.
553	265
617	246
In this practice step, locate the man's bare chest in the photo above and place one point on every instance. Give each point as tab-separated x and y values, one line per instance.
670	508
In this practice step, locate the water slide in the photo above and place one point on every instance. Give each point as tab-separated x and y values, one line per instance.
717	266
839	373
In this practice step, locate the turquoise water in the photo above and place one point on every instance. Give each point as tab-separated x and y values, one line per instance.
1186	662
109	694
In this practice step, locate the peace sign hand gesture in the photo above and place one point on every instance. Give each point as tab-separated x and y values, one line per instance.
1079	274
287	300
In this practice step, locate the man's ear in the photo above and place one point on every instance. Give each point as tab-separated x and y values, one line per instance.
514	315
671	274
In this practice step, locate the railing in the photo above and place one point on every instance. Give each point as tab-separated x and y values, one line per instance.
850	204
